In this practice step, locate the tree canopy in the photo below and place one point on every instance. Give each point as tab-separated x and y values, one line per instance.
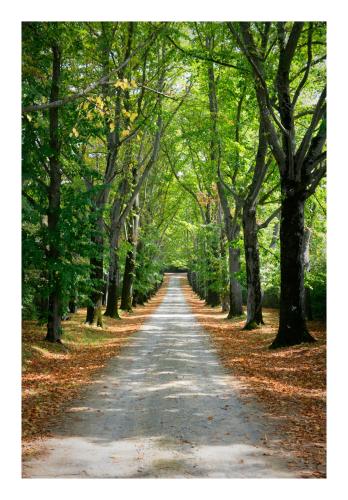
150	146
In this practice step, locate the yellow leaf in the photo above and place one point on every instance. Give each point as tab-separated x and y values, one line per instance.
112	126
29	118
99	102
133	84
133	116
75	132
123	84
120	84
124	133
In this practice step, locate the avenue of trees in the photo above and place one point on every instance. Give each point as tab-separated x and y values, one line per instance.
151	146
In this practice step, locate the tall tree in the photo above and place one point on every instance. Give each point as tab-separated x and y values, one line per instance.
94	310
301	162
53	213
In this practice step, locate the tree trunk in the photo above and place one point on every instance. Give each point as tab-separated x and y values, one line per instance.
53	251
213	297
275	235
129	270
252	261
41	307
232	230
235	290
94	310
224	296
112	302
225	302
128	279
292	324
105	289
72	305
139	298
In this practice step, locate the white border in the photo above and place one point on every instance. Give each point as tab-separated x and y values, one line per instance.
217	10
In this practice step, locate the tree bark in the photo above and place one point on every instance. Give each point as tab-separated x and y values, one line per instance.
105	290
292	323
232	229
236	300
212	297
53	250
94	309
112	302
128	279
275	235
72	306
129	271
250	230
252	262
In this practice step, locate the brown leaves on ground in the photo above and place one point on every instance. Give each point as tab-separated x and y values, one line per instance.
289	382
53	374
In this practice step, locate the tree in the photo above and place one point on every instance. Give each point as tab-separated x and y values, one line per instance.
153	146
301	162
54	299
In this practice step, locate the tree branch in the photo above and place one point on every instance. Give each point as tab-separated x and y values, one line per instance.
205	58
317	115
319	174
269	219
266	109
183	185
309	62
92	86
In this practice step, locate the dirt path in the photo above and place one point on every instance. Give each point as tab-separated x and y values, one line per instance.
164	408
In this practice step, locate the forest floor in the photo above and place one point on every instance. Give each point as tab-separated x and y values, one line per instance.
289	382
53	374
